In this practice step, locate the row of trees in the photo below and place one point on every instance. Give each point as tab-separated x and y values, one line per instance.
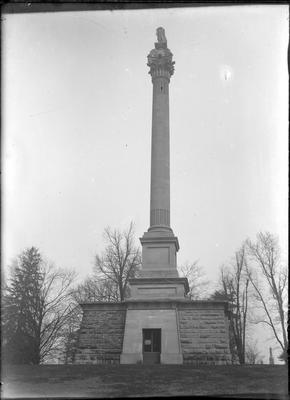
255	284
40	304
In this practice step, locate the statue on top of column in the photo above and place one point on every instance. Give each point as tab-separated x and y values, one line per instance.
161	35
160	58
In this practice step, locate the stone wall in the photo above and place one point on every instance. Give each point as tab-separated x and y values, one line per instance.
202	328
204	333
101	334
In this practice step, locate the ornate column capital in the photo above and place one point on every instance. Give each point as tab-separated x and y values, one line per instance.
160	58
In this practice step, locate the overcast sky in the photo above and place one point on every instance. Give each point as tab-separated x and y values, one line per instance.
77	103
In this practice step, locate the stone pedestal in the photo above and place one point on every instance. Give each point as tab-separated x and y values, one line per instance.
159	248
192	332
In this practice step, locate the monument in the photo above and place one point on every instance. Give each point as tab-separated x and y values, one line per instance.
158	323
271	358
159	245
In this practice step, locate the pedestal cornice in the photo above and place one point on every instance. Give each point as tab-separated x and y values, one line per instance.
154	237
184	303
163	281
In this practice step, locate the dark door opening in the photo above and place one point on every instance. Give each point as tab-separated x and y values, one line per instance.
151	346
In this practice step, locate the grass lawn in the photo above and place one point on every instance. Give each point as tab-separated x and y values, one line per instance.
256	381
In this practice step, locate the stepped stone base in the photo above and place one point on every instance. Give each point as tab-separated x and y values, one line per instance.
200	335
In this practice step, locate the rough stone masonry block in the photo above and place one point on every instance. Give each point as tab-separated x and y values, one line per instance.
204	334
101	334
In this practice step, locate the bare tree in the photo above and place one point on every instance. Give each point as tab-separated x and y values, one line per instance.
241	283
198	284
57	309
120	261
234	288
68	342
269	278
95	289
35	308
253	355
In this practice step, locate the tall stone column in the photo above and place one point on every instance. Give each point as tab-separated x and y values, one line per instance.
159	245
154	293
161	69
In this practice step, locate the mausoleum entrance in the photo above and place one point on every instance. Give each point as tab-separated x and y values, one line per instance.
151	346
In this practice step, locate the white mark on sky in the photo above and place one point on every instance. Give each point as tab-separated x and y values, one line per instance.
226	73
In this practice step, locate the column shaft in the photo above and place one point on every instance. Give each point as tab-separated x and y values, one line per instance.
160	157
